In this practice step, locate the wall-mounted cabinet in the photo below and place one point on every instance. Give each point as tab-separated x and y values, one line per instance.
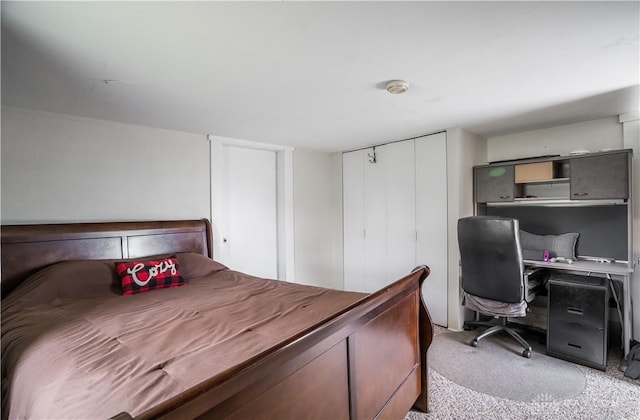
494	183
593	176
600	177
587	193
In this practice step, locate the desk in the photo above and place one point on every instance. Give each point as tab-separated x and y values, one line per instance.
608	269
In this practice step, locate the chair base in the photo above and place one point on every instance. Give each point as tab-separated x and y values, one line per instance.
494	329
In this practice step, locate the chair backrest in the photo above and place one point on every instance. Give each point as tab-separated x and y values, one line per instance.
491	258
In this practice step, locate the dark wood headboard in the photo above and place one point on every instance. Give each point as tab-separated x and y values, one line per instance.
28	248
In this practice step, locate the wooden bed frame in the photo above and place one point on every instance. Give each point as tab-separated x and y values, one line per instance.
368	361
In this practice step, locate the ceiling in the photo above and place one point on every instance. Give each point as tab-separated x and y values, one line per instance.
312	74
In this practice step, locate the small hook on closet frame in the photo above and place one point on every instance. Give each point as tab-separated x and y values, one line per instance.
372	158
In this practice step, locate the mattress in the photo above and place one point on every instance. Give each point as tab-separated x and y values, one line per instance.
74	347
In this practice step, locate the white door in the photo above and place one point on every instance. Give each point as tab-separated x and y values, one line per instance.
375	219
249	229
353	219
379	215
431	221
401	209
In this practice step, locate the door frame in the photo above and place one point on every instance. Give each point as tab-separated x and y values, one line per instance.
284	199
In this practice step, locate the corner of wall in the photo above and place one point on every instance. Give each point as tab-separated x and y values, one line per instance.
337	233
464	150
631	135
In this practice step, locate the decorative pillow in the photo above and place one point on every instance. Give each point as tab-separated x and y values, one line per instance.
558	245
140	276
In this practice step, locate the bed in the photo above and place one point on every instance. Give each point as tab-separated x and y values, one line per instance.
328	354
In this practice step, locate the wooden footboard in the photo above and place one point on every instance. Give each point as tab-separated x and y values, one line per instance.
368	361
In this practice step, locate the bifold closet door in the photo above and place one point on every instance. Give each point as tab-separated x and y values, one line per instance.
378	215
375	219
400	203
431	221
395	217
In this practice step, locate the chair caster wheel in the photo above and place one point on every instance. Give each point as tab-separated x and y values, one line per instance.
473	343
527	354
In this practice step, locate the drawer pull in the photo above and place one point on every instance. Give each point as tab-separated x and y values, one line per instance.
574	311
581	194
574	346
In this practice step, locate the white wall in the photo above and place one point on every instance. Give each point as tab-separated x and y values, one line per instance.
591	135
61	168
337	257
315	181
464	151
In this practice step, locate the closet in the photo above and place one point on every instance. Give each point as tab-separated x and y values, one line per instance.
395	217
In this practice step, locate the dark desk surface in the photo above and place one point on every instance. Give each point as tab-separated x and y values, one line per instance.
614	268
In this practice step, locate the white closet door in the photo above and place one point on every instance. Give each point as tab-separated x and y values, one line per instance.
431	221
375	218
379	215
353	219
401	209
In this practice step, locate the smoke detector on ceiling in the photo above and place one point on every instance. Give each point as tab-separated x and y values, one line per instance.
397	86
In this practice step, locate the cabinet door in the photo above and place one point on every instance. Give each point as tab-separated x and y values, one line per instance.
431	221
600	177
494	183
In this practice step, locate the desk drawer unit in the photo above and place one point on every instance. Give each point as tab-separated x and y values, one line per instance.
577	303
578	319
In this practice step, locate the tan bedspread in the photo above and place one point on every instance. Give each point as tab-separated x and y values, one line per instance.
74	351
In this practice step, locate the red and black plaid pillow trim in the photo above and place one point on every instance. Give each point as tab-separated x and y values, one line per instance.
140	276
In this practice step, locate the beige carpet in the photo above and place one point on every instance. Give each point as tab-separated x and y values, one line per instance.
605	395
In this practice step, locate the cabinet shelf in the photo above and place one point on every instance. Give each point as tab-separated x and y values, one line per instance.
546	181
533	199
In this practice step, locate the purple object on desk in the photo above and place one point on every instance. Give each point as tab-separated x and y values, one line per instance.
545	255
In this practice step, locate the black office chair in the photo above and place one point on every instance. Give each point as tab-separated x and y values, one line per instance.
494	281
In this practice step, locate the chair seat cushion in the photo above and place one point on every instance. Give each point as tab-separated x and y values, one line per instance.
494	307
